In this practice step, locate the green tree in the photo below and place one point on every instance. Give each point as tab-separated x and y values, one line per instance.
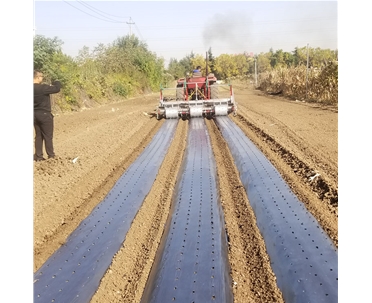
176	69
281	59
211	61
83	55
131	57
321	57
241	63
44	50
225	66
288	59
199	60
300	56
263	62
277	59
186	63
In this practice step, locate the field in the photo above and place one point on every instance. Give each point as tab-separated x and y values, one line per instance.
96	145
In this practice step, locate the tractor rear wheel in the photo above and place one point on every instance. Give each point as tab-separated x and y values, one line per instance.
214	91
180	95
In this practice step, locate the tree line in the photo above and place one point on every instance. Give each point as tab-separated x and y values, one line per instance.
234	65
126	67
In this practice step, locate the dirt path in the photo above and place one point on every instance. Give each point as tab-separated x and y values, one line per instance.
95	146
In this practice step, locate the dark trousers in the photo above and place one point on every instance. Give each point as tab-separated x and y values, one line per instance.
44	126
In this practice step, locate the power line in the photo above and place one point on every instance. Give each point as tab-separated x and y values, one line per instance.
92	9
110	20
96	9
139	32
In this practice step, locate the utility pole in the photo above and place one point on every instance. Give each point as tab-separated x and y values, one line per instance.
130	27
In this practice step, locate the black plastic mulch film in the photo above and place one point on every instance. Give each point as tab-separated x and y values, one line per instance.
193	265
302	256
73	272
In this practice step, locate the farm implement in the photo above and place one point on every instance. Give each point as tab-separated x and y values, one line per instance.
196	96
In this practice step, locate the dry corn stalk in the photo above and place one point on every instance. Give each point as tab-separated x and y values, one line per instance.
322	84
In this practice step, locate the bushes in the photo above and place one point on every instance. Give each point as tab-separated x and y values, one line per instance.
122	69
121	89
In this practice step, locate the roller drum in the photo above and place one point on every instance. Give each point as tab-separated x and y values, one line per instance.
221	110
171	113
196	112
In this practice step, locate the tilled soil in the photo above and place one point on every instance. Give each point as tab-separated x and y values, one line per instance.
96	145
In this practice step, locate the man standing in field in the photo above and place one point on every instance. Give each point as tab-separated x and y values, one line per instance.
43	117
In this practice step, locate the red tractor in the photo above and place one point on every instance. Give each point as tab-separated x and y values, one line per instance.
197	87
197	96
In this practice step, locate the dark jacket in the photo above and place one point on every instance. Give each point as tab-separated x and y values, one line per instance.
42	95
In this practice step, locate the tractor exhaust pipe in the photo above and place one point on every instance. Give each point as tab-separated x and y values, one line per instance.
206	63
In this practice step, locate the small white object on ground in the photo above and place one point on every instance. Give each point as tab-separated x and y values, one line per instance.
313	177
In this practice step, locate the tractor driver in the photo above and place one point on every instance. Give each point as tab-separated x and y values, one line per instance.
197	72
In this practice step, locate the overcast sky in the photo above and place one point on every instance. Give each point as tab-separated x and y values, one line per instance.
174	29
